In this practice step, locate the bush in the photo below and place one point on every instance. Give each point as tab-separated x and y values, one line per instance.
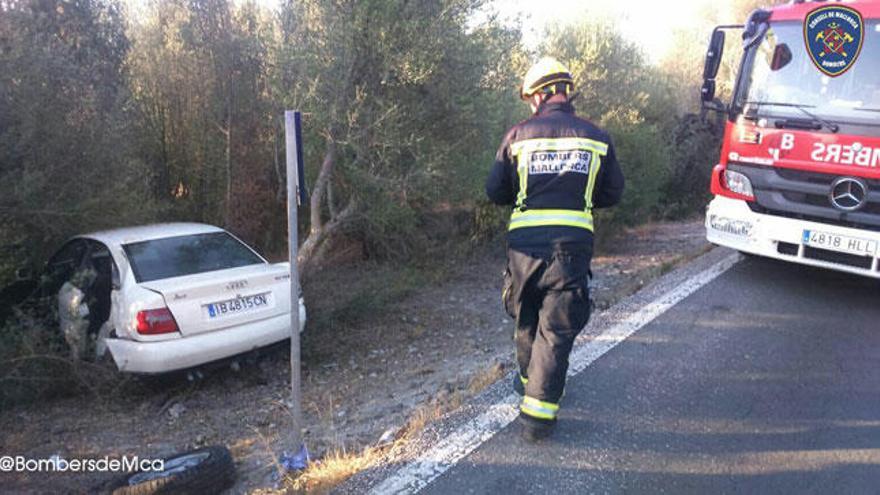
694	153
31	358
644	157
489	220
35	361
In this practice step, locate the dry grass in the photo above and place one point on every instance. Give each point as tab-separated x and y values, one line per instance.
484	378
446	402
333	469
339	465
428	413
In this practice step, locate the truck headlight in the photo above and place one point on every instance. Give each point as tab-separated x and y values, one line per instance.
738	183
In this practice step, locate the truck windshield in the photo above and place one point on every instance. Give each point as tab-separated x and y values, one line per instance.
780	79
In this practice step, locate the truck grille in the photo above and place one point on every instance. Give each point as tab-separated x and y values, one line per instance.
805	195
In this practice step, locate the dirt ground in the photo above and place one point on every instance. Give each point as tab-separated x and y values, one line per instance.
361	379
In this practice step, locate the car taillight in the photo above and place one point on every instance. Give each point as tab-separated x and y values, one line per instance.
155	321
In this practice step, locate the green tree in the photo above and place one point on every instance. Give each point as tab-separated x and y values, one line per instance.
200	80
631	99
403	108
615	82
65	163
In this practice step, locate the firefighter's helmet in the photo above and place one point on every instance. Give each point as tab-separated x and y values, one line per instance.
547	74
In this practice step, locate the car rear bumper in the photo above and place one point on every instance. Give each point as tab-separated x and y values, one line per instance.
731	223
170	355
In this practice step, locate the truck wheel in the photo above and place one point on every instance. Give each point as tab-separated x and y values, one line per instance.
207	470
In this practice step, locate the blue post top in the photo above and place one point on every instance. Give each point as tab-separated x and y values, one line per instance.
301	174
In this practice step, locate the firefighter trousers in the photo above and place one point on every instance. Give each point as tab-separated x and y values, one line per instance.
546	292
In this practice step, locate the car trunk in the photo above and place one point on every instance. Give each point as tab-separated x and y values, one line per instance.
215	300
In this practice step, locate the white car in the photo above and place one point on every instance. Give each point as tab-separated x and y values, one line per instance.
172	296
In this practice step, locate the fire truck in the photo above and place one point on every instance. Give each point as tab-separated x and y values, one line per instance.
798	178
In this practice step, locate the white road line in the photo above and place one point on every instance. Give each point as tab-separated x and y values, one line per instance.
415	475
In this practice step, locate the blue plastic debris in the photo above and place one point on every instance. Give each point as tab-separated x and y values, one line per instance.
295	462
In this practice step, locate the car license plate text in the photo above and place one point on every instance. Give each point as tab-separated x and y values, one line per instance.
238	305
839	243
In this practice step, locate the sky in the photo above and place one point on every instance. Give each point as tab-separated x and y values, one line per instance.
646	22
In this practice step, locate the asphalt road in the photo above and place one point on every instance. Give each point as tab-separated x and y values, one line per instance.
766	380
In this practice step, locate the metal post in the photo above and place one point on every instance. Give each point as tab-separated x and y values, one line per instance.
292	140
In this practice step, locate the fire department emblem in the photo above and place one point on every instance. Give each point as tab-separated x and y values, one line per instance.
834	35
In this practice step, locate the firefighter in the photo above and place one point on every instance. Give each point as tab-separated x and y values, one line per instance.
554	168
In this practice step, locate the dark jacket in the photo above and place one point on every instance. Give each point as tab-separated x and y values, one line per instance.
547	190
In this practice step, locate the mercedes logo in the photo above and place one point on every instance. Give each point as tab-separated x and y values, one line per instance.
849	193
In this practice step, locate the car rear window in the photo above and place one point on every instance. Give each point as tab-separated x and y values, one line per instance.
187	255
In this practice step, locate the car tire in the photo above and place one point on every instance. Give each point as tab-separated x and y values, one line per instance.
208	470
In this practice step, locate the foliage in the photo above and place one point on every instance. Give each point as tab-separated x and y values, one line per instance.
643	153
64	163
639	105
694	151
174	112
36	363
200	84
616	84
404	100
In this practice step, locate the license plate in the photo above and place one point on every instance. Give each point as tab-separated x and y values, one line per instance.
239	305
839	243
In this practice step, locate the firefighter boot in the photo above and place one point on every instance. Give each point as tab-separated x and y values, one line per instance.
535	429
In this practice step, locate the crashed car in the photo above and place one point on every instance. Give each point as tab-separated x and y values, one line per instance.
168	297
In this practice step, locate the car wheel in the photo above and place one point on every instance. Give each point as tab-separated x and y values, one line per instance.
207	470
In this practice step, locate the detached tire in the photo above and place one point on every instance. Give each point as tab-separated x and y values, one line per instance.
208	470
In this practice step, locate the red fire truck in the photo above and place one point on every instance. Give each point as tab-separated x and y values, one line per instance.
799	174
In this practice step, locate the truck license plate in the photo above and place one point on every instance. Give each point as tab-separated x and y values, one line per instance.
839	243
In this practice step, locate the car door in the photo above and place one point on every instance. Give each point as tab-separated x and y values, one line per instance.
104	290
62	265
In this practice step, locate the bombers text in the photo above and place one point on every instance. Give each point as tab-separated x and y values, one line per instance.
846	154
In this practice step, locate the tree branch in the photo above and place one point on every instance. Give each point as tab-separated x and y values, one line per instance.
320	189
